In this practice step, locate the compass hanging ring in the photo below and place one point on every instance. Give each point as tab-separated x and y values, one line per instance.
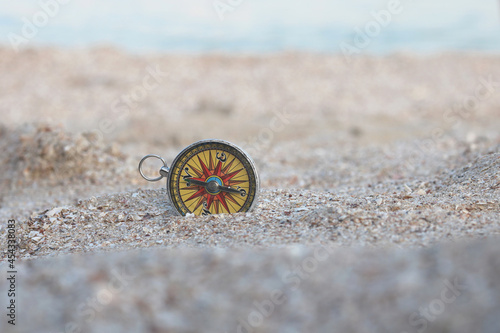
209	177
163	170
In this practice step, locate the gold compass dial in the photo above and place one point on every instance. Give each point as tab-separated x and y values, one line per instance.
212	177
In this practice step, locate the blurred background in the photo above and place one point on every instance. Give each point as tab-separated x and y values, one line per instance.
257	26
372	123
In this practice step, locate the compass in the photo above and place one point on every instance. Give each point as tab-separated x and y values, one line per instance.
209	177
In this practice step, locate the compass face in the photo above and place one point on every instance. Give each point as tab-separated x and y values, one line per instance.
212	177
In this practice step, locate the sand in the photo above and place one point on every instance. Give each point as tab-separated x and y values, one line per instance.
380	178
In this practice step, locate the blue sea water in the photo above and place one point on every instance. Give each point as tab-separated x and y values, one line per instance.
254	26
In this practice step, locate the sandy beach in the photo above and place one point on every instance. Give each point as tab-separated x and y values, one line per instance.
380	185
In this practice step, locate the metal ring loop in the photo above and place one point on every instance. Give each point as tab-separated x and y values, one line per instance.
146	177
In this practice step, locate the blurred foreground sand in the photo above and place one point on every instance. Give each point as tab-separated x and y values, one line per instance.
374	160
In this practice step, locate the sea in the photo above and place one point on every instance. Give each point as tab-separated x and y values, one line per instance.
255	26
